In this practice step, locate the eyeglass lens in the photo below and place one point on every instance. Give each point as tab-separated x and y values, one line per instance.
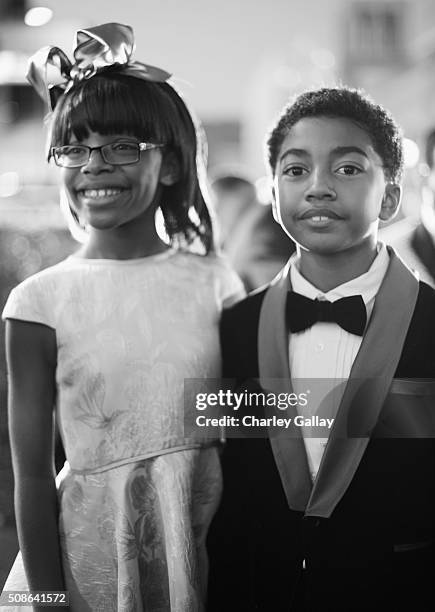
112	153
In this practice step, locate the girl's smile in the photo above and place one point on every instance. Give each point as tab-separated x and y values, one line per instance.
99	193
92	197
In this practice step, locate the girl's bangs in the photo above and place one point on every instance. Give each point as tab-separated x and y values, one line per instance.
114	106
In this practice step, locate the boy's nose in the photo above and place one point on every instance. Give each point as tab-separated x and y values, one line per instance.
320	187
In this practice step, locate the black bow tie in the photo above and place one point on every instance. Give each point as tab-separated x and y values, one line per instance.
349	312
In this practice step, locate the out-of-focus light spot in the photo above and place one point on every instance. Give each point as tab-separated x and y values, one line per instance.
287	77
38	16
263	189
411	205
32	263
9	184
411	153
423	169
13	66
20	247
323	58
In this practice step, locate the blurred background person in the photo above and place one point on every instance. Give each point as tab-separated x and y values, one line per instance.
255	244
414	236
235	195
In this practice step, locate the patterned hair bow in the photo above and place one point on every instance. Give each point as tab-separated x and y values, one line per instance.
106	47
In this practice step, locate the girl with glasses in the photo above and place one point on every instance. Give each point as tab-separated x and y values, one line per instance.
107	337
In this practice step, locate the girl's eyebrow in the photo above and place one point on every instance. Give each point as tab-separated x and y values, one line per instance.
115	139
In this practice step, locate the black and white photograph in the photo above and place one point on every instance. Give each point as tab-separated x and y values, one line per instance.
217	298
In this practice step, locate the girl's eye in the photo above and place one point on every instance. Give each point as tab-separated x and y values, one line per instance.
295	171
348	170
123	146
71	150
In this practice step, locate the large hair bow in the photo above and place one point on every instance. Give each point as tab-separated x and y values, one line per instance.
106	47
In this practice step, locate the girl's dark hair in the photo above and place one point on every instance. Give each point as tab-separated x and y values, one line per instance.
113	103
343	103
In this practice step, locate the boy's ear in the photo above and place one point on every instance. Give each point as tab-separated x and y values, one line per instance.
170	169
390	201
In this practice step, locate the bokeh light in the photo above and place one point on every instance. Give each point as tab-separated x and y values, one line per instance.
38	16
323	58
411	153
263	188
9	184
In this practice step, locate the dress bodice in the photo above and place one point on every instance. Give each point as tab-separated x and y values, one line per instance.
128	334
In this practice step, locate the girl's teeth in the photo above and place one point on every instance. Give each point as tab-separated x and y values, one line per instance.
319	218
101	193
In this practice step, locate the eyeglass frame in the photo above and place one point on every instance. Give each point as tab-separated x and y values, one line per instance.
141	146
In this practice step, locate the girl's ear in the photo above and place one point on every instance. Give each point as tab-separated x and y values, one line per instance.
390	201
170	169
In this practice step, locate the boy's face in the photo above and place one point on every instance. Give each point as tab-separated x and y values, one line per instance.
329	187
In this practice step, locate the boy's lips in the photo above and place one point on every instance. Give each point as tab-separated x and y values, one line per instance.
319	213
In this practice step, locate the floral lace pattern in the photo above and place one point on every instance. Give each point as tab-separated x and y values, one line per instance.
133	537
137	495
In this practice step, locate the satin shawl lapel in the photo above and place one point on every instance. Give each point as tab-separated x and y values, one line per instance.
288	447
367	388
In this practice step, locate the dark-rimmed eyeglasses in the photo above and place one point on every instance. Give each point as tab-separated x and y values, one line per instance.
114	153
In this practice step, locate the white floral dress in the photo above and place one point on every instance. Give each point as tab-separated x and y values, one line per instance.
136	495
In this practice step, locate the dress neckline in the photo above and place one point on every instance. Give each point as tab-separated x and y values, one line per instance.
122	262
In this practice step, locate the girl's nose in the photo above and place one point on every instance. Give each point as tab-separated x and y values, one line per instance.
96	163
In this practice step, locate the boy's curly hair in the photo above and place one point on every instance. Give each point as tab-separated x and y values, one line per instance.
343	103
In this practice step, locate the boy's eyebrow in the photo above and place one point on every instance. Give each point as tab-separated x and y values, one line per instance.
336	152
351	149
297	152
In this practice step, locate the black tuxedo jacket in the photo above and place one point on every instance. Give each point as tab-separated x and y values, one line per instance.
423	245
373	547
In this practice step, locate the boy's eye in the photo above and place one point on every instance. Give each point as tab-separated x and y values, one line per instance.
295	171
349	170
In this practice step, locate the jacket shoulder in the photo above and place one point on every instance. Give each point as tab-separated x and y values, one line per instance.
424	311
418	354
246	311
239	336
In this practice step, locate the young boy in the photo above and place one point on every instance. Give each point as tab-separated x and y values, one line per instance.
339	519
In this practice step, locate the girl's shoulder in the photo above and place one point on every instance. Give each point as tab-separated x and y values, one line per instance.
44	278
30	300
215	270
210	263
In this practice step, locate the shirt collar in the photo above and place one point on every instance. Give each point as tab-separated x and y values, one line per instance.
366	285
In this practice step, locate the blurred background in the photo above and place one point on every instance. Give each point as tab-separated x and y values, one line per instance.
237	62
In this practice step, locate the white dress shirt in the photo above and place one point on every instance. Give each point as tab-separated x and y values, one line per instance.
326	351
